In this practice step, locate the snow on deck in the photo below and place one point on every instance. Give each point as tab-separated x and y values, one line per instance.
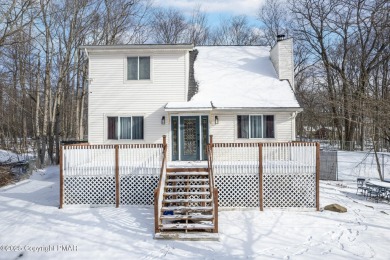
31	222
238	77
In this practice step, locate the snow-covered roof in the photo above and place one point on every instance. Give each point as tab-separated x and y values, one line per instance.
238	77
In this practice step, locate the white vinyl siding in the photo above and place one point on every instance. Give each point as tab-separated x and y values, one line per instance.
111	94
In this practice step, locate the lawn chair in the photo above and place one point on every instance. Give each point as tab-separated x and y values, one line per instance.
361	185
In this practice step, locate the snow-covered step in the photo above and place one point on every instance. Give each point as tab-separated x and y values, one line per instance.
187	180
184	209
187	217
186	193
187	174
185	186
186	200
187	226
192	236
187	169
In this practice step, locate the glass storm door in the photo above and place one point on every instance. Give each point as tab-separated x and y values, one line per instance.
189	138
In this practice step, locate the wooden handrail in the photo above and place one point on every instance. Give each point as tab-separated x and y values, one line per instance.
157	192
213	189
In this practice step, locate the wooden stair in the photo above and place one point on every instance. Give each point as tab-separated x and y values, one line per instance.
188	209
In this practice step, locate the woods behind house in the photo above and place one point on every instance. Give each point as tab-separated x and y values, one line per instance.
341	52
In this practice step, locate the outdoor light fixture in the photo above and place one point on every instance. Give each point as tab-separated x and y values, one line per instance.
163	120
216	120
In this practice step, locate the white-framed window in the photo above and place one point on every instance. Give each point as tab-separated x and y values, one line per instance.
138	68
255	126
125	127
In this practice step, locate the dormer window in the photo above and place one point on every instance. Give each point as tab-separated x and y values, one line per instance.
138	68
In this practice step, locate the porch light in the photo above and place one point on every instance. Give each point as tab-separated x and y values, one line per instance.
216	120
163	120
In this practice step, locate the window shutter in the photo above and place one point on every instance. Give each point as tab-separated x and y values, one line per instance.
138	127
112	128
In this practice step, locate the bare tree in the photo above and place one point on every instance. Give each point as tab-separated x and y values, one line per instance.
275	20
197	28
15	15
169	26
235	30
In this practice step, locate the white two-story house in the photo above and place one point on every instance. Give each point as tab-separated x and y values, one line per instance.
138	93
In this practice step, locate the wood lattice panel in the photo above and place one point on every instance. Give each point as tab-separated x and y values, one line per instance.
137	189
238	190
89	190
289	190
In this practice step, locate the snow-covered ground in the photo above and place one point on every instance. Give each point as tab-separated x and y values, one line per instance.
33	226
10	157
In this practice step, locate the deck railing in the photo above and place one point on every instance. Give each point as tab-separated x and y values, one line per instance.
290	157
284	169
93	171
235	158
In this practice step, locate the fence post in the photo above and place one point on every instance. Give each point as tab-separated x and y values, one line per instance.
164	140
261	176
383	166
117	176
318	176
61	176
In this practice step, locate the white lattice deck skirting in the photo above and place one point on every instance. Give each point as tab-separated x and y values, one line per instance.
288	175
90	174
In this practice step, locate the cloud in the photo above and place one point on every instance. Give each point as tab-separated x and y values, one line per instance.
235	7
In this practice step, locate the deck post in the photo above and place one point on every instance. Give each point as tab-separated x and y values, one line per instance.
164	140
215	197
156	218
318	176
261	176
117	176
61	176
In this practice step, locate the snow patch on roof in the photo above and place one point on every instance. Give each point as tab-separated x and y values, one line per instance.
240	77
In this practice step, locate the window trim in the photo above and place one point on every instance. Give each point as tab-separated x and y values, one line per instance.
249	127
119	129
137	81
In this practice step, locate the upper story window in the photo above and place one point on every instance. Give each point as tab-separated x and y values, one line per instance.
125	127
138	68
255	126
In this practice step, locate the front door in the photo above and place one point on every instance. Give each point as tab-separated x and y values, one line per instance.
189	138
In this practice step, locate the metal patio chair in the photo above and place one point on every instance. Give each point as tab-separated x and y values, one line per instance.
361	185
373	191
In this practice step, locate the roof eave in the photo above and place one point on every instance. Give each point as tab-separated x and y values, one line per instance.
137	47
188	109
292	109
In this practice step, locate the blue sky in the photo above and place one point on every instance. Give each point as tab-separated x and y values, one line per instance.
216	9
